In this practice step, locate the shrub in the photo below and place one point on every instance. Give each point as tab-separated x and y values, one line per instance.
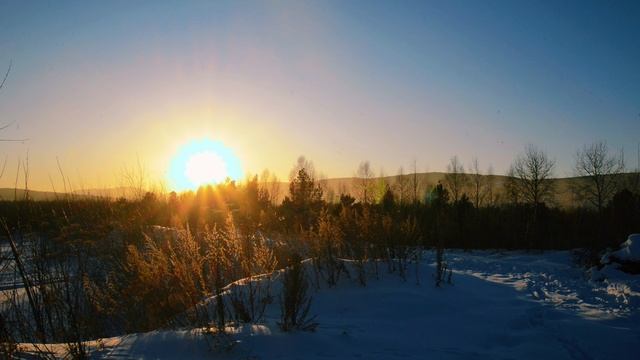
295	302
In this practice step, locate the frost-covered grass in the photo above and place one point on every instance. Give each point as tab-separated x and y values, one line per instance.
502	305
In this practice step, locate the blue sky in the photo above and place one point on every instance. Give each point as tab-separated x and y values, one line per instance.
101	84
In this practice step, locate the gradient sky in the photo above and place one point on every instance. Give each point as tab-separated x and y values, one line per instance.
100	84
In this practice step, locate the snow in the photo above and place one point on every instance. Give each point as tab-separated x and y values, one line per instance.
554	279
502	305
629	250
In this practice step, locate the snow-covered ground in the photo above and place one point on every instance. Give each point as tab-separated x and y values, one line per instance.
554	279
502	305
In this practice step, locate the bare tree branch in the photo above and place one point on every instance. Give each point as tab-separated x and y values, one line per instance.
6	75
2	127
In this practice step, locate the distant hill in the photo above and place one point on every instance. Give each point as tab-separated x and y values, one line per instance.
424	182
565	196
332	188
11	194
114	193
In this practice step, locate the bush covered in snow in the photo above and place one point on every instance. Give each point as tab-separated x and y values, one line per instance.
627	257
629	250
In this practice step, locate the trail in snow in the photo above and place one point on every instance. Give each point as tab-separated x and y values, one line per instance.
552	277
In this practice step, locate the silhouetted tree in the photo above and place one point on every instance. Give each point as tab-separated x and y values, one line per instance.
415	183
347	200
491	196
401	187
601	169
439	200
455	179
270	186
532	171
625	215
380	187
478	182
364	182
295	301
388	200
303	204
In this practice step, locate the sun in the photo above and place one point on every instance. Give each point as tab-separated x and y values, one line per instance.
202	162
205	167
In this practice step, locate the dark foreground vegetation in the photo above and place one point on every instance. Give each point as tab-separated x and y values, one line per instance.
79	269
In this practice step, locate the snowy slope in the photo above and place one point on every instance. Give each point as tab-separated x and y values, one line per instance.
501	306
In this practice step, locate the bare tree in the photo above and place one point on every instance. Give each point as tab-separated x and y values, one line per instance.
600	168
478	183
342	189
364	182
532	171
135	180
270	185
512	186
415	183
490	197
631	178
305	164
455	179
323	183
381	185
401	186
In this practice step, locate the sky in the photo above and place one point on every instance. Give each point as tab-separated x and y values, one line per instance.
100	86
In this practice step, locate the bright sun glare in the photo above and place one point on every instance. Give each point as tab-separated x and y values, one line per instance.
202	162
205	167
